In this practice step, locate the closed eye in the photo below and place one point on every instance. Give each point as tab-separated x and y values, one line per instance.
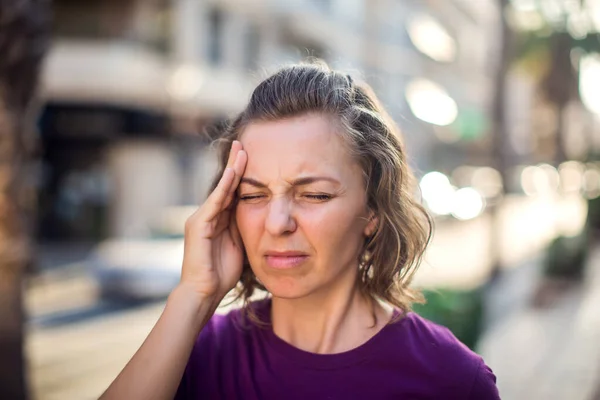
251	197
312	197
320	197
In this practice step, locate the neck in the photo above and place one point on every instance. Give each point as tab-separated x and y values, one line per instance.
328	322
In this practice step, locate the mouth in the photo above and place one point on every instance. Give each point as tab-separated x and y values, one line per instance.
285	259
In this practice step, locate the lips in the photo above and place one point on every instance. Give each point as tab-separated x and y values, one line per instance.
285	259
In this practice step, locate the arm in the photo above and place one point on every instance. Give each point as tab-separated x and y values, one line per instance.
156	369
212	265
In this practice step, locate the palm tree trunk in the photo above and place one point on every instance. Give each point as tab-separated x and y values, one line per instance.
560	86
23	35
500	135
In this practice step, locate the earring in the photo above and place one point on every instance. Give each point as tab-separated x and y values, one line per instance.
365	258
366	266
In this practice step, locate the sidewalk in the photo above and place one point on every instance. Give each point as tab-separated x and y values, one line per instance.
551	353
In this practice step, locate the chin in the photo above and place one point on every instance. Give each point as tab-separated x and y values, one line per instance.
287	287
287	295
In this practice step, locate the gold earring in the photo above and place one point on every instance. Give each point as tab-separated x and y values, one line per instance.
365	258
366	265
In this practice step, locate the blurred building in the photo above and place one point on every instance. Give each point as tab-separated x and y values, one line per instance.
445	80
128	83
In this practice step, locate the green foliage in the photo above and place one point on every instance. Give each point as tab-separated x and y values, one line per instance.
593	218
547	55
589	44
470	124
533	48
566	256
459	311
532	53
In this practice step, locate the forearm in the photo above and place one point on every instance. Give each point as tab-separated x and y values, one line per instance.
156	369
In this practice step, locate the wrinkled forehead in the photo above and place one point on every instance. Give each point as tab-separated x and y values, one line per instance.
300	145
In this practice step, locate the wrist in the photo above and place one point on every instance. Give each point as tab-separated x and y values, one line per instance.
197	306
191	295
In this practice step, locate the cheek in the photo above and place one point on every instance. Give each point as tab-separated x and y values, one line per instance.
248	221
334	227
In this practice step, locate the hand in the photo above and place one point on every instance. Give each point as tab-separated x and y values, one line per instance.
213	251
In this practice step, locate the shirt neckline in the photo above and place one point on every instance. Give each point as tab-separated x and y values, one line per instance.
311	360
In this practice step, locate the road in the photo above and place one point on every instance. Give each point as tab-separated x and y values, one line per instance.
76	344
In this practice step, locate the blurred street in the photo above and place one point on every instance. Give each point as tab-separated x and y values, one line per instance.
77	344
498	109
551	353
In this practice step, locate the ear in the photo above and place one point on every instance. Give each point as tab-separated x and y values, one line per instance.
372	224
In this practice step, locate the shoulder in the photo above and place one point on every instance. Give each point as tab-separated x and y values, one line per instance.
434	339
436	350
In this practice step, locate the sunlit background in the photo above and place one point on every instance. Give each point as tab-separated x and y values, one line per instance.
499	105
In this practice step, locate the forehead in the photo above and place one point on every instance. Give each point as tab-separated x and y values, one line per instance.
300	145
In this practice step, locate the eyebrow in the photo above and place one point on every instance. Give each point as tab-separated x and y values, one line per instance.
297	182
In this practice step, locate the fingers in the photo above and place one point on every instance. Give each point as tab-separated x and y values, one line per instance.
223	194
214	203
236	146
238	167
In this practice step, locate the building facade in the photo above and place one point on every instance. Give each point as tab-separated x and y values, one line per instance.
127	85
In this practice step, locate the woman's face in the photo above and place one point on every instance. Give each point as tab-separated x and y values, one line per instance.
302	210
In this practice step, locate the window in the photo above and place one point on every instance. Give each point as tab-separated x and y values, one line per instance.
215	34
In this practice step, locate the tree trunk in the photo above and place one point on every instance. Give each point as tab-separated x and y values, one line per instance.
24	28
500	135
559	134
560	85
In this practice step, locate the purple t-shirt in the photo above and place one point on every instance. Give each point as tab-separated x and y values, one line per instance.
409	359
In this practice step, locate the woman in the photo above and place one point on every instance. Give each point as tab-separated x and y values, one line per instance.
314	205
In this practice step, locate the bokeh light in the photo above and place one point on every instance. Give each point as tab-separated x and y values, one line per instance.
467	203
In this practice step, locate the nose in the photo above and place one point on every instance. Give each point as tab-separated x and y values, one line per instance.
280	220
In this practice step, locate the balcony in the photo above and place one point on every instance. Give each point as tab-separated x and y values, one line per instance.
115	72
130	75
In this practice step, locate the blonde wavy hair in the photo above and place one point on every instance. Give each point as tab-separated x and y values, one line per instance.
404	227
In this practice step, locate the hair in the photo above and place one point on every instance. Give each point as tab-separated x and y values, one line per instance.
404	227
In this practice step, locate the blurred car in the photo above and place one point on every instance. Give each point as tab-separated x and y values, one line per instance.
142	269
